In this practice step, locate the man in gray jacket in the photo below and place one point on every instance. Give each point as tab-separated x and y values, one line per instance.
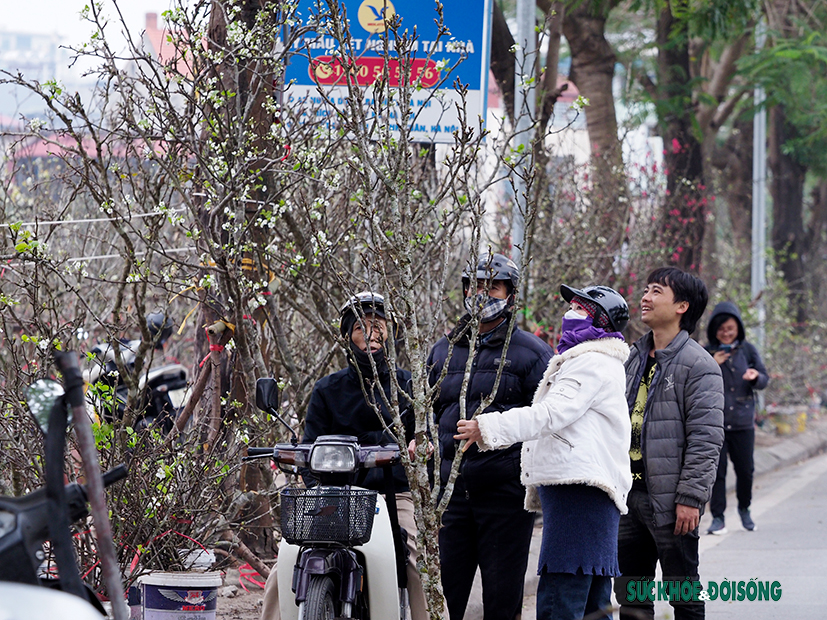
675	395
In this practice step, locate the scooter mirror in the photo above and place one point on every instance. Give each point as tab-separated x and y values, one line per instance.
41	397
267	394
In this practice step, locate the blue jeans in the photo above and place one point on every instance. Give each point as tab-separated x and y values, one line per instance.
563	596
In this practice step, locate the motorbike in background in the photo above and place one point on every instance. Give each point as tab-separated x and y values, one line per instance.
164	391
342	552
27	522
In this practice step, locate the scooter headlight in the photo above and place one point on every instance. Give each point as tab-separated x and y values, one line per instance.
333	458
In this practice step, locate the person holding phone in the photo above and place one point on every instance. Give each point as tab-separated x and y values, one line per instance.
743	373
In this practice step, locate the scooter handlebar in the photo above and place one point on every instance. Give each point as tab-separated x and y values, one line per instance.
258	453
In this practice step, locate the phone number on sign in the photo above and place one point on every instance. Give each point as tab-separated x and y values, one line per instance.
328	71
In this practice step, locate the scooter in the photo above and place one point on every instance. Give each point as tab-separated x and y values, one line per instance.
27	522
164	390
342	553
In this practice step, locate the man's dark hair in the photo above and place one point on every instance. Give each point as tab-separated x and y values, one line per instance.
685	287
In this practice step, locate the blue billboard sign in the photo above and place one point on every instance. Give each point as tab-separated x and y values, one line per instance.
461	53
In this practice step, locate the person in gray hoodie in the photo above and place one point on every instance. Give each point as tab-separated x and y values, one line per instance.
743	373
675	395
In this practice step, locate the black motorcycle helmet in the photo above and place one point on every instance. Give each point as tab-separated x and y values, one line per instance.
362	304
605	305
493	267
159	323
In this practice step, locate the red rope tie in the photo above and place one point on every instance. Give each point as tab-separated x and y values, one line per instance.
213	347
247	572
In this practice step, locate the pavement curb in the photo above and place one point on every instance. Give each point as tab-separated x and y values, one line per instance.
791	450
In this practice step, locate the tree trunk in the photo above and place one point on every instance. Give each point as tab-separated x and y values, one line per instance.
502	59
787	189
686	210
733	161
592	71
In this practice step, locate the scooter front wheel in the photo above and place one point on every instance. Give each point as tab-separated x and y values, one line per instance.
319	604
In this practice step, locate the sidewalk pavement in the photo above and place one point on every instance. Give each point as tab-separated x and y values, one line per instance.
772	452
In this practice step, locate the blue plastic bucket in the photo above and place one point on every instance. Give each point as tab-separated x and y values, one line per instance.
179	596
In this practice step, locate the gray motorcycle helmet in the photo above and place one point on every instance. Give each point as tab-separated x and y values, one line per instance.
159	323
492	267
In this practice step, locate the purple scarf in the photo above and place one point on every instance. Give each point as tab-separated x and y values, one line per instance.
576	331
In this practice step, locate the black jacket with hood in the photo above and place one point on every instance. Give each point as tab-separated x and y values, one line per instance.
739	397
525	362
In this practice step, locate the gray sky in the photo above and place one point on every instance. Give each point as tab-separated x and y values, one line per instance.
63	16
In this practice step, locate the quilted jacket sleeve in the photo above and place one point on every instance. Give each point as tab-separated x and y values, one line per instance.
703	409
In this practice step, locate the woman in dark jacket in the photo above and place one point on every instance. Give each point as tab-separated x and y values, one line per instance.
743	372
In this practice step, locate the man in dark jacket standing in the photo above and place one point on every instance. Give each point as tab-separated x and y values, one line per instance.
743	372
675	395
485	523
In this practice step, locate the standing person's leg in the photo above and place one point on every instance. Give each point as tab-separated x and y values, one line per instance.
678	557
717	504
458	552
637	555
405	510
563	596
270	605
600	598
741	448
505	530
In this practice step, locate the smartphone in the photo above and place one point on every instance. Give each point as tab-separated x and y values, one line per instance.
726	348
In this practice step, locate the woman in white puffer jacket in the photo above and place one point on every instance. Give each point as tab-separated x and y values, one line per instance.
575	455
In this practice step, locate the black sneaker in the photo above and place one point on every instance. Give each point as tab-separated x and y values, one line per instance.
718	526
746	520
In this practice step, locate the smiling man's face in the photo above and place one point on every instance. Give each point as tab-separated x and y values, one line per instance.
658	307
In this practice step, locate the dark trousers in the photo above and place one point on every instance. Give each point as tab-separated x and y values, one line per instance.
490	529
740	446
563	596
641	545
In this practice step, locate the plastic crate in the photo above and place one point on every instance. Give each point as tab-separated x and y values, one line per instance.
324	514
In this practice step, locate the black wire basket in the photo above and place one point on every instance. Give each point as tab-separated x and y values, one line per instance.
324	514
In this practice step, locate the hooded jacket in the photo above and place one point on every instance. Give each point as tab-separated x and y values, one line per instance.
577	431
739	395
337	407
683	427
525	363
